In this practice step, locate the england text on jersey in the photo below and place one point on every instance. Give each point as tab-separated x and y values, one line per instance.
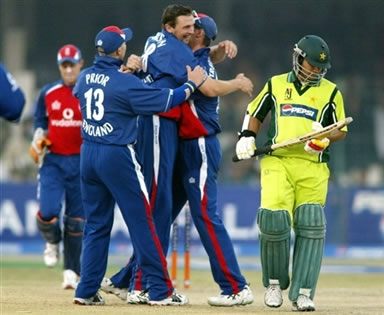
97	131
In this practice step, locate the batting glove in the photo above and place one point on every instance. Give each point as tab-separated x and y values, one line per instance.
246	146
39	145
316	146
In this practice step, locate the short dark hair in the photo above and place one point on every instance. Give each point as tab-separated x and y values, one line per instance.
172	12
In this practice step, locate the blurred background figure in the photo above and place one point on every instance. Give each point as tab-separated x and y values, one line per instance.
56	149
12	98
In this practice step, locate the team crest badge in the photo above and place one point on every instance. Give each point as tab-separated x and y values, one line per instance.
56	105
288	94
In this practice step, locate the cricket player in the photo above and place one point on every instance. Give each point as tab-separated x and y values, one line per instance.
294	180
12	98
110	102
163	64
57	129
198	163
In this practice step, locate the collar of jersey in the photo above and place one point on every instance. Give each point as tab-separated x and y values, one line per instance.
291	78
202	51
107	62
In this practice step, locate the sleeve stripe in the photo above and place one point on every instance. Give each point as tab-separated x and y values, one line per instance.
260	105
170	95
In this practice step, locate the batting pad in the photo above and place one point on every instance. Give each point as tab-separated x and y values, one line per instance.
73	235
49	230
275	227
309	225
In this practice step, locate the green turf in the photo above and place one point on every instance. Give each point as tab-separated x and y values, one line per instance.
28	287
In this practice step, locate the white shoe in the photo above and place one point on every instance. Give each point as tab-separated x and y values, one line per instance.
244	297
51	254
97	299
107	286
71	279
174	299
303	303
138	297
273	296
247	295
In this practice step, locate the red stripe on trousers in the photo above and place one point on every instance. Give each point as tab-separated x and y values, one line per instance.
138	285
216	245
158	246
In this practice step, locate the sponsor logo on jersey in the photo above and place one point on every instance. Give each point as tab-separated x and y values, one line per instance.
66	123
67	120
297	110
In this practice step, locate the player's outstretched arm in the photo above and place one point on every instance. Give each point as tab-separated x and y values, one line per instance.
212	88
196	77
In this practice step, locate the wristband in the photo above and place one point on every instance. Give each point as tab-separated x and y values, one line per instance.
191	85
246	133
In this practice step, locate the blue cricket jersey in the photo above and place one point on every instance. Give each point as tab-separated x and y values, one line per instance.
164	60
111	102
207	108
12	98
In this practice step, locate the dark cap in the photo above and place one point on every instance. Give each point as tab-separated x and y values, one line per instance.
207	24
112	37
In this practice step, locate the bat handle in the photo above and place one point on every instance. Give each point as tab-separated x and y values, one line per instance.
262	150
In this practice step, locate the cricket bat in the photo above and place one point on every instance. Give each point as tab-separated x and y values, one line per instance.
319	134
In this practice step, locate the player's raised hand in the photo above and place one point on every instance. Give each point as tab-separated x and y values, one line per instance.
245	84
229	47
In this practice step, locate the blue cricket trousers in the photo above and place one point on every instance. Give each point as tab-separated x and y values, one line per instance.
196	180
111	173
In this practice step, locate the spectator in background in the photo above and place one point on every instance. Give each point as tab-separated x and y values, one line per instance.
56	149
12	98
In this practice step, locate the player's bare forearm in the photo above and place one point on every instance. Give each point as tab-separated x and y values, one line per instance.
213	88
222	50
254	124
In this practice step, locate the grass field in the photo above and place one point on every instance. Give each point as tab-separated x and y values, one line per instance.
28	287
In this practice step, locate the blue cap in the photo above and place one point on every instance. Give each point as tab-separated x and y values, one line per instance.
207	24
112	37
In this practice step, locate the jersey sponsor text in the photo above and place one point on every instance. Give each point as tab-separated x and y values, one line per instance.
66	123
298	111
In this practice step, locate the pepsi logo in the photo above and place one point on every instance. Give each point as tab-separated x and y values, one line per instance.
287	109
297	110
